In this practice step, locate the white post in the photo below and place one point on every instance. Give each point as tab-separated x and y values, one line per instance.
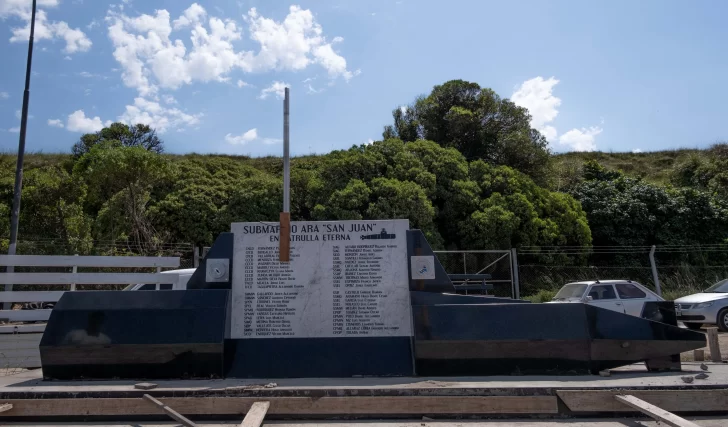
75	270
516	282
286	154
465	265
655	277
159	270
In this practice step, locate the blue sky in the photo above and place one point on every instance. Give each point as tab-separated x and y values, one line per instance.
610	76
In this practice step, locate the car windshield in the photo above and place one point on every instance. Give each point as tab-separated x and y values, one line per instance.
719	288
572	290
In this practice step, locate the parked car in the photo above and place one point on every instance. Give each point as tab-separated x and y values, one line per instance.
707	307
184	277
624	296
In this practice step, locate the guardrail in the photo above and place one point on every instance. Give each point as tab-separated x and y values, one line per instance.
72	278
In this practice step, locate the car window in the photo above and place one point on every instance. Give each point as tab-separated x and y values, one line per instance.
572	290
720	287
165	286
148	287
629	291
602	292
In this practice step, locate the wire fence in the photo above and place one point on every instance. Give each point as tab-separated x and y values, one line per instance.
496	263
680	270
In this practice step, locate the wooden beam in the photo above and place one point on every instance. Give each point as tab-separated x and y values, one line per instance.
85	278
324	406
171	412
88	261
670	400
284	241
31	296
254	417
714	345
655	412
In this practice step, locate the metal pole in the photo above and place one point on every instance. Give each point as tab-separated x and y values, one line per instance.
516	282
15	213
655	277
286	155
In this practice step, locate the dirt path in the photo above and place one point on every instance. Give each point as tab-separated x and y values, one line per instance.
722	341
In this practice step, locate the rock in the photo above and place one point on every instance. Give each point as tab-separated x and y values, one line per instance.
701	376
605	373
145	386
703	366
687	379
271	385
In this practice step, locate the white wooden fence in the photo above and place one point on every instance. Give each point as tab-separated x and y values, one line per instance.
19	341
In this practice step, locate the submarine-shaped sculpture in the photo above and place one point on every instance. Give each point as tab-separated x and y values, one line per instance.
215	327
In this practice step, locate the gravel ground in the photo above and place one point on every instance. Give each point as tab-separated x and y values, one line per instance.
722	340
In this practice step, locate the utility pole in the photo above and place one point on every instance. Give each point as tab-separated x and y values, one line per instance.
284	245
15	213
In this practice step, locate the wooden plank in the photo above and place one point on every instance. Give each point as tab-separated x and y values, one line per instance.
256	414
171	412
358	405
30	296
284	245
85	278
714	345
699	355
25	315
88	261
670	400
655	412
21	329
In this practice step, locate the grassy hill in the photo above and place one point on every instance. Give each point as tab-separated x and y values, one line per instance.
654	167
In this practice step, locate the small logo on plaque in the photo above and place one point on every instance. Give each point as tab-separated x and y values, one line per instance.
422	267
379	236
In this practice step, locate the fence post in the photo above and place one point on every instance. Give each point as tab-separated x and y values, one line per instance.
516	282
655	277
195	256
74	271
465	265
159	270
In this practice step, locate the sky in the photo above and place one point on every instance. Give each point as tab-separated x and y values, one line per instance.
209	75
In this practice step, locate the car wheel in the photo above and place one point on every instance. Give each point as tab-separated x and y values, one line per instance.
723	320
693	326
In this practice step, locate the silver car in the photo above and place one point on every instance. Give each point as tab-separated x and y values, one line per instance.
707	307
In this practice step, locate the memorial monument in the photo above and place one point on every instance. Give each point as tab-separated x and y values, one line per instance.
357	298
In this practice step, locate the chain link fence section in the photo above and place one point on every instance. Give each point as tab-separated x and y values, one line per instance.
496	263
680	270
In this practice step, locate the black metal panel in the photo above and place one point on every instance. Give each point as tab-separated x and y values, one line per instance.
417	246
538	339
123	334
432	298
318	357
222	248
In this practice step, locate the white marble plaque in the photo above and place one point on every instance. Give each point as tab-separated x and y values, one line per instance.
345	279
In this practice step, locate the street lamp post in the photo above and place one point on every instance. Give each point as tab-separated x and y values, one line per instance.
15	213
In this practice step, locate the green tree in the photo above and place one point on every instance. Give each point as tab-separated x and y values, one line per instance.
476	122
138	135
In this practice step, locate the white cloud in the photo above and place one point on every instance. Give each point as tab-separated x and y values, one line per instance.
14	130
192	16
76	40
242	83
581	139
86	74
93	24
67	58
19	114
78	122
156	116
150	57
337	39
55	123
536	95
276	88
637	151
169	99
4	95
369	142
249	136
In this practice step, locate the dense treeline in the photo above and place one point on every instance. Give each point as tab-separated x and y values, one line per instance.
460	163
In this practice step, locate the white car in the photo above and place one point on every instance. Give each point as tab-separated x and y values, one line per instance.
180	282
624	296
